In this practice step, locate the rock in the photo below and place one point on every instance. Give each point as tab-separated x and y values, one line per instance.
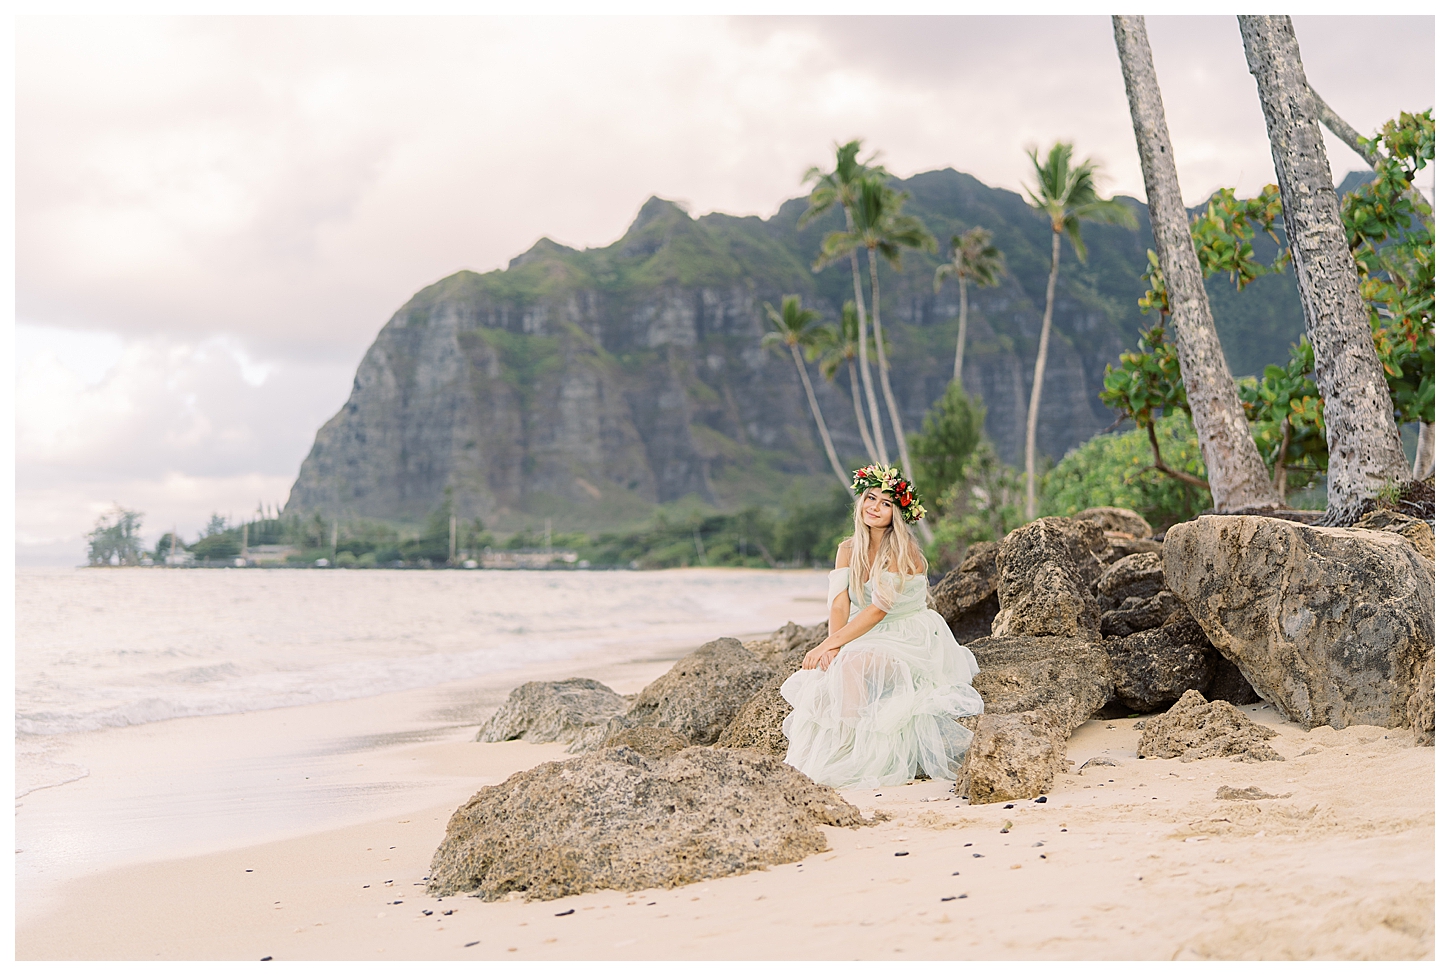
1138	614
701	694
1097	761
1152	669
1422	717
1417	531
788	644
651	742
758	723
1012	757
1122	522
553	711
614	819
1119	548
1247	793
1036	690
1199	729
1334	626
1229	683
1139	575
967	596
1062	679
1041	586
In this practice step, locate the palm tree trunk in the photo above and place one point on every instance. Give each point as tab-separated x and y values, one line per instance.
820	421
860	417
885	367
1424	452
961	332
879	442
1037	373
1359	422
1237	477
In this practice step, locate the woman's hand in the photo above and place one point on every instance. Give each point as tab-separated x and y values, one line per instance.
820	657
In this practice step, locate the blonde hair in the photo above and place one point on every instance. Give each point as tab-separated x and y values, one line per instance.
899	552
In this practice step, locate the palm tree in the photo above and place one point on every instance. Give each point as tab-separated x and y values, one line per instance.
796	327
1067	195
840	346
1237	477
880	227
1365	456
838	188
974	257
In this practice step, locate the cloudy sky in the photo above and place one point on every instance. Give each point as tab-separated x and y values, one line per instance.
215	216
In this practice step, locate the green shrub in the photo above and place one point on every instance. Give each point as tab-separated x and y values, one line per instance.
1117	469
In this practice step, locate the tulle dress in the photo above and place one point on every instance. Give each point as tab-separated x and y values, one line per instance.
886	705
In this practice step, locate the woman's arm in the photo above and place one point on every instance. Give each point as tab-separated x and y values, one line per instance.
840	612
825	652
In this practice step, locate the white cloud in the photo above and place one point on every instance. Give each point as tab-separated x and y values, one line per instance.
215	215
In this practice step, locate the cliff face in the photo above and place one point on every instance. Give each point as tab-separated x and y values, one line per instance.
592	386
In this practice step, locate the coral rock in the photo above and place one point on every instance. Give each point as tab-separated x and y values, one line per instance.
1123	522
1196	728
615	819
967	596
553	711
1041	584
701	694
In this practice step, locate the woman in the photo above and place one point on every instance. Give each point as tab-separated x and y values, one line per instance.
877	700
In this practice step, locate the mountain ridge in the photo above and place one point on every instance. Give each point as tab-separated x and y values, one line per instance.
595	385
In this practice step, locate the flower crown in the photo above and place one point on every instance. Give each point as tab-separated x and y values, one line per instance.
889	480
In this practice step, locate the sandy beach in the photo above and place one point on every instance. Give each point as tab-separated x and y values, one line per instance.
1141	860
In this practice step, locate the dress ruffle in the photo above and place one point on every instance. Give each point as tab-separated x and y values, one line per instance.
887	705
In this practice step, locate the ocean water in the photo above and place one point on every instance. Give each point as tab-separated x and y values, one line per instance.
104	649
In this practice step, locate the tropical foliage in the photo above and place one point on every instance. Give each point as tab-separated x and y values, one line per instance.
116	539
1391	234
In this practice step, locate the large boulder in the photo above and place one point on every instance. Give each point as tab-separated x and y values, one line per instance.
1012	757
1199	729
700	695
1036	691
1045	574
1064	680
614	819
553	711
758	723
1123	523
967	596
1334	626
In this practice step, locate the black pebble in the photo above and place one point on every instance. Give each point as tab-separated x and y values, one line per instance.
1064	830
648	903
266	958
562	914
427	911
398	902
955	873
1009	806
902	853
1040	799
367	886
473	943
1043	856
979	855
950	898
249	870
967	844
449	912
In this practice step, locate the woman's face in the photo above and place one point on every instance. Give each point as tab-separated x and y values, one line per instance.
876	508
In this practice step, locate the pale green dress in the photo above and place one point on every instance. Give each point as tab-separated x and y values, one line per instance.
887	705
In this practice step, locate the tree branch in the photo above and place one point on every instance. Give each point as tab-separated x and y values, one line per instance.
1182	476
